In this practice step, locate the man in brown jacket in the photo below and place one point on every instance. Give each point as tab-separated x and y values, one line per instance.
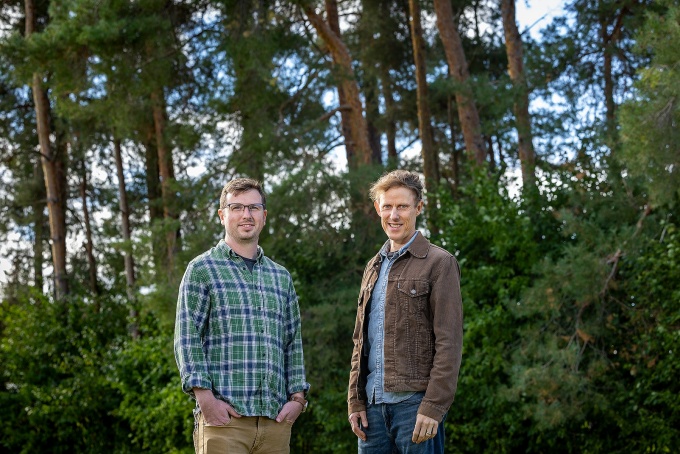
408	336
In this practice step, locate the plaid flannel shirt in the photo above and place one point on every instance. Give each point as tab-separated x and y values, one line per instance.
238	333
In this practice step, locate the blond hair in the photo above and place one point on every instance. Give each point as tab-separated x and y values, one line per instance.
397	178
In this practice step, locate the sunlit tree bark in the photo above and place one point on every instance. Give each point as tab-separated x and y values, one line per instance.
514	50
345	114
53	170
342	59
458	68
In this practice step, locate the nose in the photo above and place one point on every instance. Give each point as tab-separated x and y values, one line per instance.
394	214
246	212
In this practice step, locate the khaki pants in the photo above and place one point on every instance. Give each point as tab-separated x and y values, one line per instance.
244	435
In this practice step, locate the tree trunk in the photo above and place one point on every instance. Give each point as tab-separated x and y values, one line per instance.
127	235
52	165
153	192
428	152
492	156
609	41
373	117
38	226
167	174
514	50
455	56
343	60
345	114
89	246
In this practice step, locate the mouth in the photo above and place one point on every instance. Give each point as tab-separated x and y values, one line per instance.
393	225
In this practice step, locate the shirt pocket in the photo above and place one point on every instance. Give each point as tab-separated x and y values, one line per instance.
273	303
413	294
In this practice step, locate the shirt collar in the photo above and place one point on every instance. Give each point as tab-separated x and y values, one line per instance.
229	252
386	247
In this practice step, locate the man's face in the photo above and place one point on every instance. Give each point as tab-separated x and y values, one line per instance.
398	211
243	227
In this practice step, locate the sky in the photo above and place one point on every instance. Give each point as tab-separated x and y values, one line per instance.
537	14
532	14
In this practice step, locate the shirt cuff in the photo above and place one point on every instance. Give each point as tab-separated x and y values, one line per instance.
298	388
189	382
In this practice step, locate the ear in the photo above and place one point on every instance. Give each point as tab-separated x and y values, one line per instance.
264	220
419	208
377	207
220	214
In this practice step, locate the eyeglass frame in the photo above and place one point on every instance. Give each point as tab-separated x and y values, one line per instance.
259	207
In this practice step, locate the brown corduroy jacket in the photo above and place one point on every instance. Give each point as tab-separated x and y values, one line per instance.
423	328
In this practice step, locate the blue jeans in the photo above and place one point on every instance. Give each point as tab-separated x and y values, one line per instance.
390	429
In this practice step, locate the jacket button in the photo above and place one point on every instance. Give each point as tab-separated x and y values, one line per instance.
413	291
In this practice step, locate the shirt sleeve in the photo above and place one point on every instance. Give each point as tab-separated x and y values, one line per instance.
193	309
295	364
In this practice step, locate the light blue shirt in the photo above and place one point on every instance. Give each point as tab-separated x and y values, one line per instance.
375	384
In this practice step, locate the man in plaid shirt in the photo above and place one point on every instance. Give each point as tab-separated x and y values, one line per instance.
238	342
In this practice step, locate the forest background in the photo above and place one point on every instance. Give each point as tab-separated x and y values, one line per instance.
551	168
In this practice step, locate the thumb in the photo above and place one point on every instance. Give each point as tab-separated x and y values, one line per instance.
282	414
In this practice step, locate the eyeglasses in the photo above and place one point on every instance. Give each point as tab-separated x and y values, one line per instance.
239	207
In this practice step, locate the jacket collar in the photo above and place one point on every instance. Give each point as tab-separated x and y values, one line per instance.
419	248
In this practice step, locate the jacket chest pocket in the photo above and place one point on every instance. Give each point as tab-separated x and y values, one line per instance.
413	294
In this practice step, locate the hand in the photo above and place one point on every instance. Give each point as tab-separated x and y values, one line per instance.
425	429
354	420
215	412
290	412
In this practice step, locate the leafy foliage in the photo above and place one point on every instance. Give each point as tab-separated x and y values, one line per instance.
571	296
651	140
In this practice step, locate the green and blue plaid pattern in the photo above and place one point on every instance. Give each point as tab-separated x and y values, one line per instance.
238	333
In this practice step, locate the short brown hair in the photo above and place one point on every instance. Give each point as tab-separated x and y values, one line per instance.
239	186
397	178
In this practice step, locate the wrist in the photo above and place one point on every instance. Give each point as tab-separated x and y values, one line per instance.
299	398
203	395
